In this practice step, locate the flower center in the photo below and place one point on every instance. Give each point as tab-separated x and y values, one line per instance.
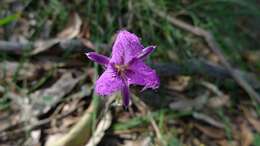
120	69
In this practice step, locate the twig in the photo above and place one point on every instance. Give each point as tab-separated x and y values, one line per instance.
214	46
201	67
18	48
13	47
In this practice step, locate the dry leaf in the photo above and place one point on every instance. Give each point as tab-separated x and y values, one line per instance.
53	138
251	119
213	88
189	104
88	43
70	32
140	142
102	126
43	45
208	119
224	142
252	56
180	84
246	135
213	58
44	99
85	35
197	142
9	69
73	28
218	101
211	132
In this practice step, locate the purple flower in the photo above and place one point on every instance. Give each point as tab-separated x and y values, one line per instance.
125	67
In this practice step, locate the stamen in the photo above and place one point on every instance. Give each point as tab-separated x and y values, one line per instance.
120	69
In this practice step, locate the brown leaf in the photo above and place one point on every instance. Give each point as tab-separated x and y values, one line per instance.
102	126
213	58
211	132
207	119
251	119
73	28
71	31
44	99
85	35
246	135
189	104
218	101
252	56
9	69
180	84
139	142
224	142
42	45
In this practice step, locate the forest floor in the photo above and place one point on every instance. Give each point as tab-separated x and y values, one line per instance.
207	58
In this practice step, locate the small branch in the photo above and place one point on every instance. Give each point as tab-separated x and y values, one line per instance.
13	47
202	68
214	46
18	48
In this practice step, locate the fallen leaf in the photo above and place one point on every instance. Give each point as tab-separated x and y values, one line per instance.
213	58
246	135
73	28
252	56
251	119
9	69
218	101
43	100
225	142
180	84
85	35
211	132
207	119
139	142
43	45
53	138
71	31
189	104
102	126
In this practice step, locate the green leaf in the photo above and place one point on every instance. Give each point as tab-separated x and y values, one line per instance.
256	140
174	142
9	19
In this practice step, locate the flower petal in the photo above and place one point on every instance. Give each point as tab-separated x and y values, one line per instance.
126	46
145	52
98	58
126	95
141	74
108	82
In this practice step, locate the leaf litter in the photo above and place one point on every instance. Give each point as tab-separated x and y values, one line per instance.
51	111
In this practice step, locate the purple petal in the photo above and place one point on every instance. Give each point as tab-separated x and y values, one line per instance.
141	74
145	52
108	82
126	46
98	58
126	95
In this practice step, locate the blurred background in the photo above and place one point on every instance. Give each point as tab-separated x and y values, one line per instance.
207	57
